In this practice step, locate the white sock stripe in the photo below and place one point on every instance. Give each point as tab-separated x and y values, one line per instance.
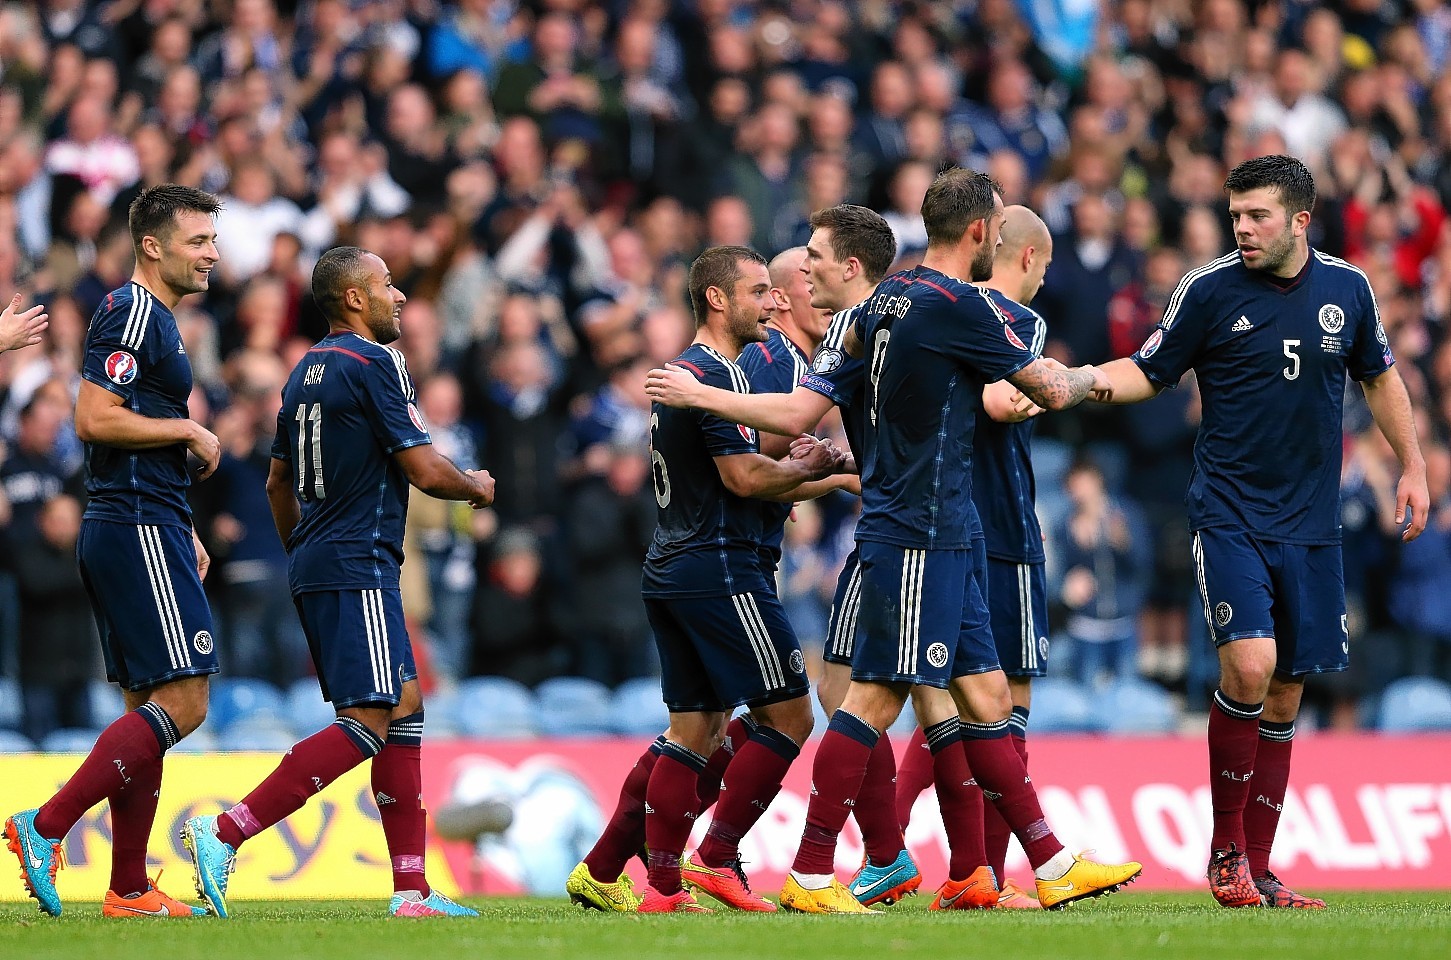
163	594
768	647
1223	703
371	631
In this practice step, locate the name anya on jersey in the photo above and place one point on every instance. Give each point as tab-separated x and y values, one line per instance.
314	373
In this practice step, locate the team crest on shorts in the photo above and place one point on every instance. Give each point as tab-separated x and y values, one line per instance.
417	418
1151	345
1043	648
827	360
1222	614
202	641
121	368
937	654
798	662
1332	318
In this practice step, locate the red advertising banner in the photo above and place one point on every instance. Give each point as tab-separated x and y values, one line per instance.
1362	811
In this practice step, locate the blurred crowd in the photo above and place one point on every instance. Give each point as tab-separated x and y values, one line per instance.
538	176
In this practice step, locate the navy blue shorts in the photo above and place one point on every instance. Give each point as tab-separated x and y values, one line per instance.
359	644
718	653
152	615
1294	593
924	619
845	605
1017	596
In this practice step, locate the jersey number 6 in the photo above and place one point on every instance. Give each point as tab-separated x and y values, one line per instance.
659	476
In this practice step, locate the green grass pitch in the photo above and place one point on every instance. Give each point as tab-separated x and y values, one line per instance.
1361	926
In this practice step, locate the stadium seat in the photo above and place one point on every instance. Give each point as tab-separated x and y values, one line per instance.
307	711
1415	703
494	707
1061	706
10	704
234	699
1131	705
637	709
573	707
441	720
106	702
257	735
69	740
200	741
12	742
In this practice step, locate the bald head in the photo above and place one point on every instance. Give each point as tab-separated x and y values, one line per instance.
1022	228
784	264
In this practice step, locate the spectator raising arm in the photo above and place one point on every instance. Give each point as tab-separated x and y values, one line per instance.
21	328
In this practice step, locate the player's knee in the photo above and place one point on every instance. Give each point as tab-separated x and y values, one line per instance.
792	719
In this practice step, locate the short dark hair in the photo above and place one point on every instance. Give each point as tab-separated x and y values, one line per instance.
153	213
1288	177
717	267
861	233
957	199
336	271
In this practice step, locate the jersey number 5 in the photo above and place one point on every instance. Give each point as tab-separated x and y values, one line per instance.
309	451
1292	372
659	476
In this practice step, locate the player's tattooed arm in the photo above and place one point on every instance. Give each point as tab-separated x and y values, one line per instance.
21	328
1054	387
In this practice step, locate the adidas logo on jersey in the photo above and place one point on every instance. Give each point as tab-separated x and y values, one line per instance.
1241	325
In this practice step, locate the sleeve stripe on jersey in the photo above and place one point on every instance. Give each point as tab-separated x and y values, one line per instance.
1229	259
1330	261
799	365
739	382
135	333
1040	334
405	383
982	292
840	324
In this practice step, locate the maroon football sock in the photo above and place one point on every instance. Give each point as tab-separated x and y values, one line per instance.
1001	774
625	832
737	732
1272	777
876	805
305	771
132	742
752	780
914	775
670	810
995	831
397	780
1234	735
836	778
958	797
133	811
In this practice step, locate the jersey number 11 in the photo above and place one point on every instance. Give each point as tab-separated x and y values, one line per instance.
309	450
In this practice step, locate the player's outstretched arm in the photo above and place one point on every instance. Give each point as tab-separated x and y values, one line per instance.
435	475
786	414
1005	403
752	475
1390	404
102	417
1127	383
21	329
285	511
1055	387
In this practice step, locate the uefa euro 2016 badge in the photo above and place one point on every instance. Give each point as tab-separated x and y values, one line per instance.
417	418
121	368
1151	345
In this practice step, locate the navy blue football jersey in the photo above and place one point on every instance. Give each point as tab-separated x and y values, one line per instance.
707	539
346	409
1002	467
134	350
932	342
838	376
1271	364
775	366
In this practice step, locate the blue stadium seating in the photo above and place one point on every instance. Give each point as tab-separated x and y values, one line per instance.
637	708
106	702
10	704
202	740
494	707
257	735
234	699
573	707
12	742
1416	703
307	711
69	740
1131	705
1061	706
